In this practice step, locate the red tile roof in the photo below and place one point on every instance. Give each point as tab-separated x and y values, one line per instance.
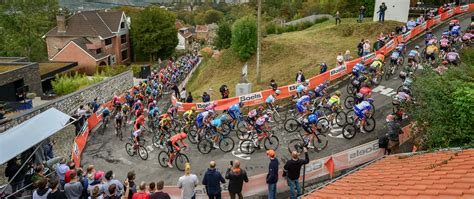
178	25
442	174
202	28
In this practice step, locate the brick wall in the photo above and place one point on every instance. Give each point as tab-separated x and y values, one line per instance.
26	71
103	91
85	63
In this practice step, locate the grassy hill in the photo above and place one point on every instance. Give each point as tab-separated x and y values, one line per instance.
283	55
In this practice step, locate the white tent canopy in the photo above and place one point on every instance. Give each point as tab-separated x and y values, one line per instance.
20	138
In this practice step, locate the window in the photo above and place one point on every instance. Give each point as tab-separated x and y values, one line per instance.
98	51
108	41
123	39
124	55
122	25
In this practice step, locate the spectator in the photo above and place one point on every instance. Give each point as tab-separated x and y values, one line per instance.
189	99
84	182
394	130
109	177
338	18
96	193
323	67
183	95
212	179
236	178
272	175
39	173
381	12
366	48
72	168
300	77
273	85
42	189
73	189
90	173
339	59
224	91
97	182
361	14
151	188
187	183
141	193
131	182
112	190
292	170
94	105
16	182
61	171
55	193
176	90
360	48
420	20
48	149
411	24
159	194
205	97
347	56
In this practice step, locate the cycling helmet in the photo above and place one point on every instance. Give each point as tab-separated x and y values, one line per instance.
322	64
223	118
417	47
193	108
241	104
370	100
183	135
277	92
312	118
445	36
382	52
338	93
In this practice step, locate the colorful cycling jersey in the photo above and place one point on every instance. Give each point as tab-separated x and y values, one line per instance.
446	33
456	30
300	88
365	90
165	121
320	88
154	111
261	120
358	67
125	108
402	96
334	100
444	42
400	47
431	49
216	123
395	55
235	108
452	56
467	36
376	64
303	99
428	36
252	113
270	99
364	105
136	133
413	53
188	113
105	112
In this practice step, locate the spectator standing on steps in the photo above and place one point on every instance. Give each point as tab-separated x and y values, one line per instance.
159	194
183	95
366	48
338	18
212	180
300	77
189	99
381	12
361	14
73	189
187	183
236	177
323	67
273	85
291	171
272	175
176	90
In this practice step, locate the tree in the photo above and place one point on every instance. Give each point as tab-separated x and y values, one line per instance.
23	23
213	16
224	36
445	107
155	32
244	37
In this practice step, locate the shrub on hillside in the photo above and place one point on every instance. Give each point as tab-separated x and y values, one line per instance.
244	37
67	83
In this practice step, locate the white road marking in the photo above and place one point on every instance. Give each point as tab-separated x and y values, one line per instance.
384	91
150	148
239	154
334	133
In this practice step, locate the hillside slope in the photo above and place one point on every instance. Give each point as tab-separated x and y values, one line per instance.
283	55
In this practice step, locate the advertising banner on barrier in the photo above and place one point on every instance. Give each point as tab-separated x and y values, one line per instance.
338	72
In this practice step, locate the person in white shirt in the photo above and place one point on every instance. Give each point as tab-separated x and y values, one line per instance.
183	95
187	183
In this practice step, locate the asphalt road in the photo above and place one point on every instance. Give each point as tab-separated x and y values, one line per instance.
108	152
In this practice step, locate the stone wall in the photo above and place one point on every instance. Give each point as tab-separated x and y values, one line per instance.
103	91
28	71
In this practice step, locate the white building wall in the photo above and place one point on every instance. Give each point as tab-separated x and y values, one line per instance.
397	10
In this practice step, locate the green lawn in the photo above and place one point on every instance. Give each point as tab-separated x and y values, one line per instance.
283	55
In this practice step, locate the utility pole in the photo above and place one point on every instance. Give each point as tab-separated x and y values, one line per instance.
258	40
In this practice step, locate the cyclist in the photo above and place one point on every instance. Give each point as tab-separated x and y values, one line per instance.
358	68
203	119
188	117
234	112
270	101
428	36
164	124
394	57
137	107
414	55
216	125
252	117
431	50
310	126
173	146
334	103
301	89
321	89
456	30
118	121
302	105
211	106
362	110
380	56
105	113
453	57
136	138
444	44
401	47
376	67
152	105
139	122
260	125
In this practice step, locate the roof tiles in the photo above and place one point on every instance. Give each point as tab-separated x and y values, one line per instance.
442	174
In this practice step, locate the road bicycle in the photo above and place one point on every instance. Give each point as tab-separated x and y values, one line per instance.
292	124
351	101
157	142
118	131
393	67
180	159
320	142
276	114
352	127
270	141
105	122
133	148
206	144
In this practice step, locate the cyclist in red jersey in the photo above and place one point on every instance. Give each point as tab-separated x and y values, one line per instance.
173	147
139	122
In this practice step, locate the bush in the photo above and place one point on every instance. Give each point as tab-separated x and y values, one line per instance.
271	28
274	29
67	83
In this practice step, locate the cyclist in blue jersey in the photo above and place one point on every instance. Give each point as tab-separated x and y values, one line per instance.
234	113
428	36
361	111
301	89
203	119
302	105
310	127
456	31
321	89
105	112
216	124
414	55
358	68
401	47
270	101
394	57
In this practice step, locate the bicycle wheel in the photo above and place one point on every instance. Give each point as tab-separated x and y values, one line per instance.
350	88
369	124
291	125
320	142
323	124
295	145
341	118
247	147
192	136
205	146
156	141
180	161
242	126
226	144
350	115
389	70
244	135
163	159
271	142
278	117
349	131
225	129
119	133
129	149
142	152
349	102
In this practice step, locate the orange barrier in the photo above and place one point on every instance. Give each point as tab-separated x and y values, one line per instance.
289	90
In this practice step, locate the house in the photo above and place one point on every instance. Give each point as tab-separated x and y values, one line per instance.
184	36
202	32
447	173
91	38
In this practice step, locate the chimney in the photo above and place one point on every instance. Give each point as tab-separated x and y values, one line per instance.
61	21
